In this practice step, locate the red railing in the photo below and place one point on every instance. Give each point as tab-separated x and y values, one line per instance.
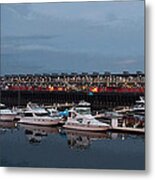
91	89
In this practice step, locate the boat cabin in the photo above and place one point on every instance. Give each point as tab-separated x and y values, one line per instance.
35	114
83	110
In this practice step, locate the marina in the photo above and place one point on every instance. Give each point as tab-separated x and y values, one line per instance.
72	85
80	117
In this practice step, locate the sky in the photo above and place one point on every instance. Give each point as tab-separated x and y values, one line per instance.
72	37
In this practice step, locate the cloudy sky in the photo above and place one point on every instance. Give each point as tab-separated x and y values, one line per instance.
66	37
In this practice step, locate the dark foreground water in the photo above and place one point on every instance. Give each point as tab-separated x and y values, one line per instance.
33	146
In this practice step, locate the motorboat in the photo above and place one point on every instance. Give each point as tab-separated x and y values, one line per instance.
122	110
80	118
141	101
84	104
37	118
139	107
108	115
34	106
37	115
6	114
53	113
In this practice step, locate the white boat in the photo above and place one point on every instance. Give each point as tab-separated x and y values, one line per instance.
37	118
141	101
37	115
84	104
33	106
6	114
122	110
108	115
80	118
53	113
139	107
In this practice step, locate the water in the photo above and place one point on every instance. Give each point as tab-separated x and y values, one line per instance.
34	146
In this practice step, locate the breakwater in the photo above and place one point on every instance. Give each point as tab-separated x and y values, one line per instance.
97	100
96	83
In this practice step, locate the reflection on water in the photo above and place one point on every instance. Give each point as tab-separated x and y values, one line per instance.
75	139
58	147
35	134
82	140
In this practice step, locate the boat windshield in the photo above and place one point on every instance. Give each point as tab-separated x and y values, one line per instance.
2	107
28	115
41	114
83	111
139	106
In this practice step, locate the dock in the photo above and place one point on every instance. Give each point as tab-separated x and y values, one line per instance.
128	129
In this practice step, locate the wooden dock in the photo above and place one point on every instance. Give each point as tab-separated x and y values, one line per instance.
128	129
119	124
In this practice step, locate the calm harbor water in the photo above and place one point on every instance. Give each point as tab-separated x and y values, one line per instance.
34	146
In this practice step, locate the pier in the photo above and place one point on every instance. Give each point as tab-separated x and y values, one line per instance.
101	90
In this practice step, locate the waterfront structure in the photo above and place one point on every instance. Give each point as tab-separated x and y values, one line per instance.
95	82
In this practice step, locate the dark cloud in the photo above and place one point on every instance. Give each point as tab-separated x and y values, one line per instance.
94	32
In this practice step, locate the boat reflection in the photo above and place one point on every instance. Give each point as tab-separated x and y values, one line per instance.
35	133
81	139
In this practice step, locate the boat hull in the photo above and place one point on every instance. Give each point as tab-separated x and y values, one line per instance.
86	127
39	122
7	117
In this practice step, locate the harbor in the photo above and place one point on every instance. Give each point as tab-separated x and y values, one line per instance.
79	116
58	125
57	138
87	102
72	85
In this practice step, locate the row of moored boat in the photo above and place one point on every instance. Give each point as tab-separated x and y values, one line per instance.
77	118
